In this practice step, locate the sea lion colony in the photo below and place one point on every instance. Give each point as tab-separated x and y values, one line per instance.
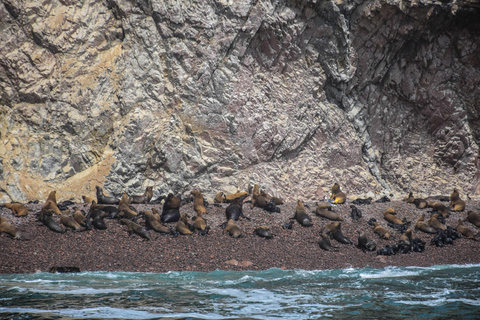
60	217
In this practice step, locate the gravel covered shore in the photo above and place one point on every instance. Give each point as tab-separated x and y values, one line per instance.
115	250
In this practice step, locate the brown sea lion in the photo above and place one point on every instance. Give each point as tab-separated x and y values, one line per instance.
364	243
257	199
237	195
390	216
200	224
52	197
50	205
301	215
423	226
441	208
435	223
18	209
406	238
324	210
152	221
87	199
232	229
136	228
456	203
474	218
68	221
329	228
337	195
218	197
103	199
144	198
381	231
465	231
410	198
79	217
124	210
198	204
276	201
10	229
182	225
263	231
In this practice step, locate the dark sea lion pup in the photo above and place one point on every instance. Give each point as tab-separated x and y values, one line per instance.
263	231
18	209
171	209
144	198
325	243
356	213
103	199
301	215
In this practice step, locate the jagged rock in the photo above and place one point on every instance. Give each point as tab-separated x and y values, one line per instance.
292	95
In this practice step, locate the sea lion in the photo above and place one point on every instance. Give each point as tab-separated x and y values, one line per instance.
200	224
10	229
409	198
18	209
171	212
465	231
440	208
271	207
230	197
68	221
98	222
277	201
390	216
183	226
198	204
423	226
232	229
301	215
103	199
356	213
362	201
329	228
87	199
52	196
263	231
79	217
325	243
337	195
124	210
218	197
136	228
234	210
47	220
435	223
112	211
407	237
324	210
364	243
257	199
144	198
381	231
339	236
152	221
52	206
456	203
474	218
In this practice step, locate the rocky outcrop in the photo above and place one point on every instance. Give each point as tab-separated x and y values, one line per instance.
380	96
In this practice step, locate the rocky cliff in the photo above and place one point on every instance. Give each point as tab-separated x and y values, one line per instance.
380	96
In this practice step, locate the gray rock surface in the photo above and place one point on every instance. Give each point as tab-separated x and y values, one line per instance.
380	96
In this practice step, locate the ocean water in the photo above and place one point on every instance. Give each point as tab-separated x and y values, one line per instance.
439	292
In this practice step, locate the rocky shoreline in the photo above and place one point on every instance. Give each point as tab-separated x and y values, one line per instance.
297	248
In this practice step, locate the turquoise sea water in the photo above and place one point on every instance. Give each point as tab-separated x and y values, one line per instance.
440	292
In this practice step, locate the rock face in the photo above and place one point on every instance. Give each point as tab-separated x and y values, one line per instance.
382	97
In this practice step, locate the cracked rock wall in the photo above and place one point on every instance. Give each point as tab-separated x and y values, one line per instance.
380	96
